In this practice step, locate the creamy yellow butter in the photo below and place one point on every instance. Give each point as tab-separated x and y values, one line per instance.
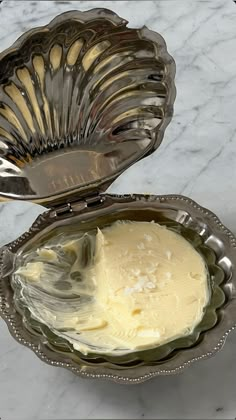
144	286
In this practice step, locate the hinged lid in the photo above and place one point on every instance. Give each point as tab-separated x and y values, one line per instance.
81	100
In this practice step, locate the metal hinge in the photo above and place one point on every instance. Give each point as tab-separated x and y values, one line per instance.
94	200
63	210
69	208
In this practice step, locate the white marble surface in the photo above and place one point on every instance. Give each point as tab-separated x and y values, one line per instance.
198	159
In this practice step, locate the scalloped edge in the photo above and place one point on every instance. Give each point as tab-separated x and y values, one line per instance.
169	80
140	374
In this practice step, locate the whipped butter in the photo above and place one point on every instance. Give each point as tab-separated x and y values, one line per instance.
130	286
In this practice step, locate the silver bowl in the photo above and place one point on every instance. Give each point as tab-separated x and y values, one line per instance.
82	99
198	222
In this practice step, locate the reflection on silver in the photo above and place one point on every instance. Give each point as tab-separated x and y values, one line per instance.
80	102
137	207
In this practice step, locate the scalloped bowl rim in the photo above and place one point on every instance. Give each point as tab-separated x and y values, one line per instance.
211	343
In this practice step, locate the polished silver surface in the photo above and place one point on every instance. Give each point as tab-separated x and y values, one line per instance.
173	208
81	99
40	303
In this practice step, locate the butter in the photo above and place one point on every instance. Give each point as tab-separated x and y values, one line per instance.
142	286
48	254
32	271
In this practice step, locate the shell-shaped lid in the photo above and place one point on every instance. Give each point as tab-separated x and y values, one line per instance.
81	99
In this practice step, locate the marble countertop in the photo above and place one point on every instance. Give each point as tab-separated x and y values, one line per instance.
198	159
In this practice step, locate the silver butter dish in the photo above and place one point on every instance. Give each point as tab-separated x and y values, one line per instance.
81	100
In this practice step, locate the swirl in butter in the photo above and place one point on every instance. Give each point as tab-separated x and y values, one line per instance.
130	286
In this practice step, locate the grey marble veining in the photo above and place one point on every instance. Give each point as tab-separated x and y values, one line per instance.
197	158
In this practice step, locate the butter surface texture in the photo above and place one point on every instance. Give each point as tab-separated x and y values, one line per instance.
144	285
